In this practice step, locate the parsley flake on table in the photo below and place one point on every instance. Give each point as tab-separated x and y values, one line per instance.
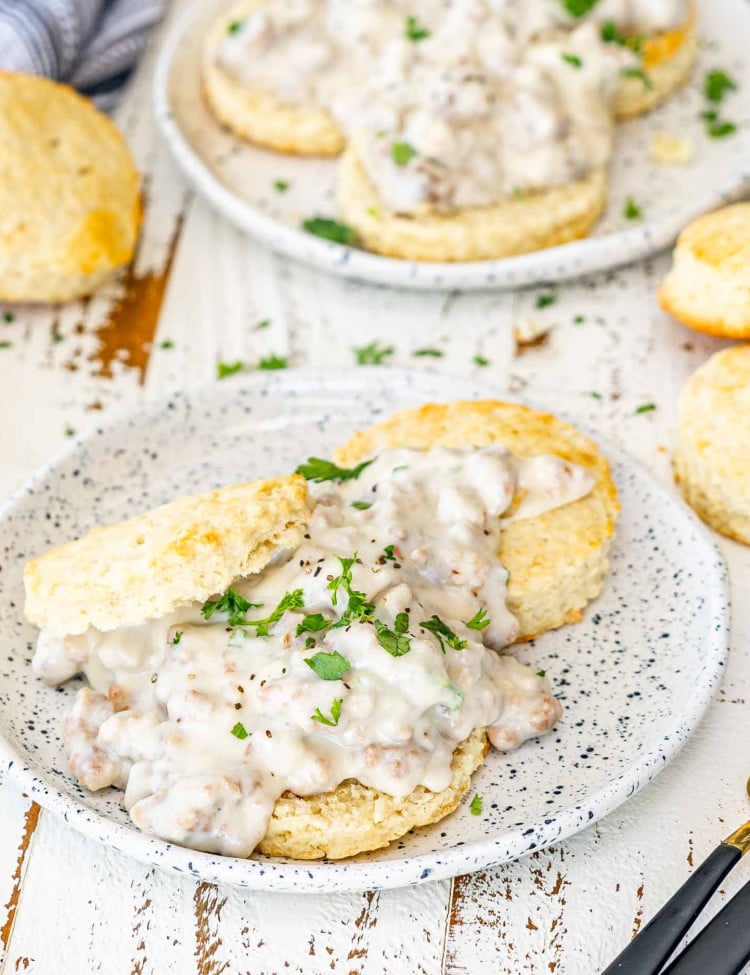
631	210
479	621
544	301
402	153
716	84
572	59
263	323
280	185
317	469
395	640
443	633
373	354
224	369
594	395
166	344
646	408
479	360
330	229
577	8
335	713
5	344
641	74
239	731
69	432
274	362
428	353
413	30
475	807
579	320
328	666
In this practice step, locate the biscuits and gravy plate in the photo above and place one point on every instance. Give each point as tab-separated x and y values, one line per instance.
271	195
633	677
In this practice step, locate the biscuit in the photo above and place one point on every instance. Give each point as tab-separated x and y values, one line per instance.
712	459
708	287
668	59
185	551
556	561
69	192
513	226
259	116
354	818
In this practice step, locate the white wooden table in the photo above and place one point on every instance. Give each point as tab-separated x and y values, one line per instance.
70	906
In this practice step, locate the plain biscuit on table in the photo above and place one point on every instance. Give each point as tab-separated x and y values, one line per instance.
69	192
708	287
712	459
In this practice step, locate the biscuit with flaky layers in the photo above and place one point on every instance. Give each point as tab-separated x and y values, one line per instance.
708	287
557	561
261	116
185	551
354	818
668	59
516	225
712	459
69	193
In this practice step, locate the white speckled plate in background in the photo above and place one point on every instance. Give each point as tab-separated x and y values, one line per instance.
635	677
237	179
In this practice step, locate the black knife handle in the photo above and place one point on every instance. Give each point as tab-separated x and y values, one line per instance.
650	950
723	946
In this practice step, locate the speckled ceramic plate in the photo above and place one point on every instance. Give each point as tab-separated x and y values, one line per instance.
635	676
238	179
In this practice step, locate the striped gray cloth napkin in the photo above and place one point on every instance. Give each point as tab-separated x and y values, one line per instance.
91	44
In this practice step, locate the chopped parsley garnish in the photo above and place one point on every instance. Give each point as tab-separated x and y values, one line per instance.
8	317
328	666
717	84
373	354
239	731
69	431
231	603
544	301
280	185
395	640
290	600
166	344
357	608
263	323
577	8
611	34
636	72
58	337
235	26
572	59
389	553
361	505
594	395
402	153
274	362
479	360
330	229
224	369
428	353
5	344
318	469
541	673
414	30
579	320
717	130
646	408
176	638
443	633
335	713
631	210
313	623
475	807
479	621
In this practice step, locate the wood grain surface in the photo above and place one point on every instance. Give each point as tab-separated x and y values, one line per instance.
195	296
